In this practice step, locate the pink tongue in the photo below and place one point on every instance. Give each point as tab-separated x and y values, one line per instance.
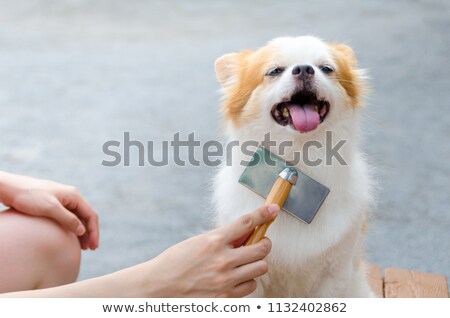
304	117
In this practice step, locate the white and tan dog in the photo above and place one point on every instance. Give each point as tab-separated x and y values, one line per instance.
298	88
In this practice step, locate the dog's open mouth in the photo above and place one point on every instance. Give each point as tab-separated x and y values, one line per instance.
303	112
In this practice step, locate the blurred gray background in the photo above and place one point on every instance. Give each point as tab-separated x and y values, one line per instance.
75	74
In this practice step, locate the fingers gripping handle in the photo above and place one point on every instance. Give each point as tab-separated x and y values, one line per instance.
277	195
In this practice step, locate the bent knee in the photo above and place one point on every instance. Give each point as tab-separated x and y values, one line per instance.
54	253
62	253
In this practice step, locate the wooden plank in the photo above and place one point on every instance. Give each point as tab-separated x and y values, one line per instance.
401	283
375	280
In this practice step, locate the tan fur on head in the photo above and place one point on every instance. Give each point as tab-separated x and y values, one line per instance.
350	78
240	74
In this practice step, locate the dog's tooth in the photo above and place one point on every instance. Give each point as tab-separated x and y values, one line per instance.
316	108
285	112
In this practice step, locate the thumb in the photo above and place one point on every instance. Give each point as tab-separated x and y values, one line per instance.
247	223
68	220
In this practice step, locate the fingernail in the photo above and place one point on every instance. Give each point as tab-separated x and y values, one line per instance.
273	208
80	230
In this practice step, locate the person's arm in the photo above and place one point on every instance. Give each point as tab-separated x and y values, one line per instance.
208	265
53	200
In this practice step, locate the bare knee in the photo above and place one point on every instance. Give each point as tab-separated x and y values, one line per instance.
62	256
40	252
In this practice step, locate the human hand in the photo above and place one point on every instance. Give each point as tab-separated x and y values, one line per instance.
210	264
53	200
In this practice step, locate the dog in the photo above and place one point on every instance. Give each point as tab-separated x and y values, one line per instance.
301	89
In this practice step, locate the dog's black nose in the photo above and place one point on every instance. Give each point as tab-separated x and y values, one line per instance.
303	71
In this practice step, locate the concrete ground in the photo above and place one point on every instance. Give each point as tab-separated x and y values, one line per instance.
75	74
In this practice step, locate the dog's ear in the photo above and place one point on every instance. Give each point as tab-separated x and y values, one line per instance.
227	67
352	79
346	53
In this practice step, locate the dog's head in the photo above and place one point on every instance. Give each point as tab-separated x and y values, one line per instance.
293	85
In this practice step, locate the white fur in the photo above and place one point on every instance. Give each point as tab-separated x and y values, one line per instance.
321	259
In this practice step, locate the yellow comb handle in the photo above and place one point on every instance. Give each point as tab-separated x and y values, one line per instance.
278	195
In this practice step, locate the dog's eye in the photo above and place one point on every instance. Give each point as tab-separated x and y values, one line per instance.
275	71
327	69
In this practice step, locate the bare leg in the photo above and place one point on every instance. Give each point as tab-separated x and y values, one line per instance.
35	253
